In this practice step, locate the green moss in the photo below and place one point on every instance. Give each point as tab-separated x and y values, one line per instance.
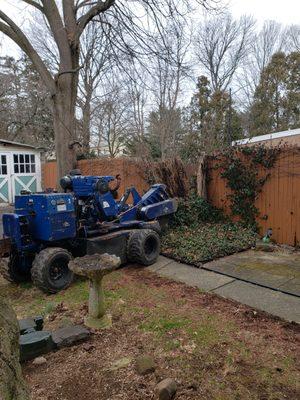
275	268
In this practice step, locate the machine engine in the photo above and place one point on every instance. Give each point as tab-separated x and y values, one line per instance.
85	219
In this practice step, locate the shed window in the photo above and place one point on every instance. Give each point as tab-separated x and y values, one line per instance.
24	163
3	165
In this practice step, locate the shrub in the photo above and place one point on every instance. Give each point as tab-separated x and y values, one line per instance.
195	209
170	172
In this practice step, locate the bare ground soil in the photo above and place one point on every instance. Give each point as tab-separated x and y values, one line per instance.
214	348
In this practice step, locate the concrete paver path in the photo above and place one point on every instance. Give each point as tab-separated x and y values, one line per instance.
276	270
275	302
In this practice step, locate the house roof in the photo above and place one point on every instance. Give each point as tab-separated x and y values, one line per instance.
270	136
12	143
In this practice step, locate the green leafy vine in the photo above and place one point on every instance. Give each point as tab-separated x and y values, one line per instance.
246	170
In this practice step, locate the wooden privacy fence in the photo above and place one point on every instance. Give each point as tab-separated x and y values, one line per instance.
128	169
178	177
49	175
279	201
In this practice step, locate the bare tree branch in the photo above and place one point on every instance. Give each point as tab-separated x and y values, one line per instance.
35	4
14	32
95	10
221	45
292	38
69	16
59	32
267	41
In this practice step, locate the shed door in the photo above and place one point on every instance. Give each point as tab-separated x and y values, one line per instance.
5	186
24	176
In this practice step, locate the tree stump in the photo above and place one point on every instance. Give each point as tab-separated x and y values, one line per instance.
12	385
95	267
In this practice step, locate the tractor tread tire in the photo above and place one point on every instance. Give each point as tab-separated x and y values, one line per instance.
9	273
38	269
135	247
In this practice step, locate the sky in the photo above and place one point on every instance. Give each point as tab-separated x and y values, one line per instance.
284	11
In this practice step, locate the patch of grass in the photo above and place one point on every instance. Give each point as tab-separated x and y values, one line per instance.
205	242
288	362
49	307
171	344
205	334
30	301
224	355
26	285
78	295
163	325
180	302
112	295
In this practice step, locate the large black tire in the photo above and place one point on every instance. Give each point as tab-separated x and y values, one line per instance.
50	271
11	271
143	247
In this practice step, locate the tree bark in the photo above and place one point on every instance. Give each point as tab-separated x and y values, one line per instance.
64	130
66	30
64	114
86	122
202	177
12	385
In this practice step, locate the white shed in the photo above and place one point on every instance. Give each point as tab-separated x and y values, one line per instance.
20	169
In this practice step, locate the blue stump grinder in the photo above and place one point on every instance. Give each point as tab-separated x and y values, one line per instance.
48	229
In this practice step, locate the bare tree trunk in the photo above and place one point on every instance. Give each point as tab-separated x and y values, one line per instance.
86	124
67	20
202	177
64	102
12	385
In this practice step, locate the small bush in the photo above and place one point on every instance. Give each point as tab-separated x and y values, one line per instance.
195	209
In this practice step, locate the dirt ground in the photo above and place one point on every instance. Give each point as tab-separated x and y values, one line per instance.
214	348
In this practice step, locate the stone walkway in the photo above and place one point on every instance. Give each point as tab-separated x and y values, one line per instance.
273	301
274	270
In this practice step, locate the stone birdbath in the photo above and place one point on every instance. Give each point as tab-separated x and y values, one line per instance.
95	267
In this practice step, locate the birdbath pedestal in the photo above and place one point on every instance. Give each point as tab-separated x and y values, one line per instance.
95	267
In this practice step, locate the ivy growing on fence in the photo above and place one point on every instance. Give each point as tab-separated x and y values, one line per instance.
246	170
